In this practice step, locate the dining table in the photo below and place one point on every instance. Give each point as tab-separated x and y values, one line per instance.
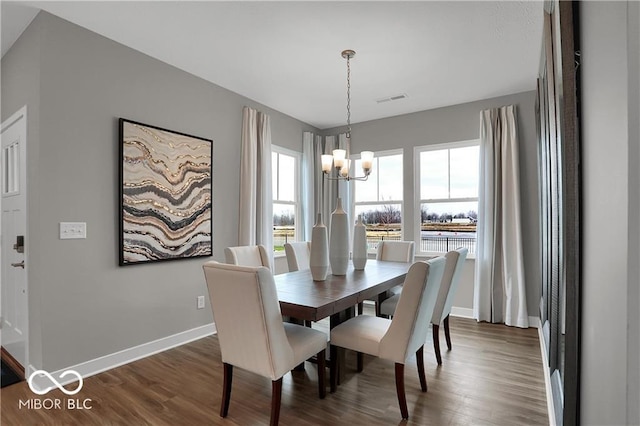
301	298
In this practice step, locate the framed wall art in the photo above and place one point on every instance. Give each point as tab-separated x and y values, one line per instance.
166	194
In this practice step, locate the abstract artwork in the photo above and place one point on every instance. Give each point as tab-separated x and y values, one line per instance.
165	189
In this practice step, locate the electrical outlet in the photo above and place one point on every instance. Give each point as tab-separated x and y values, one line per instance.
73	230
200	302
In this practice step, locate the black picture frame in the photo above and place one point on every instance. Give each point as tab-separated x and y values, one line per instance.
165	193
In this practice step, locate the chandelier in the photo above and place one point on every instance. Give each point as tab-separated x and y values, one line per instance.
340	158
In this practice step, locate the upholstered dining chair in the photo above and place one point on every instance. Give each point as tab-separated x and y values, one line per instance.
248	256
251	333
392	251
298	259
398	338
453	268
298	255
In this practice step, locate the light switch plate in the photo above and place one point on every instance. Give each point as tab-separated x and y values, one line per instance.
73	230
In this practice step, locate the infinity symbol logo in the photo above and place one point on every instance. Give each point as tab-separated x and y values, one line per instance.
55	382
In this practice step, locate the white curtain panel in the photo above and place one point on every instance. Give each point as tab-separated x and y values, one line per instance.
330	193
345	191
499	291
344	187
255	225
333	188
311	182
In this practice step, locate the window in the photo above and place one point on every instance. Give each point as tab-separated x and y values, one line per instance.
379	199
447	193
285	165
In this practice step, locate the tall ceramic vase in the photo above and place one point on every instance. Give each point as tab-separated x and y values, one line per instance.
319	255
339	241
359	245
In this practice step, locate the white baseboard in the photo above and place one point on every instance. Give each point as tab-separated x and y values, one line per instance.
547	375
456	311
108	362
461	312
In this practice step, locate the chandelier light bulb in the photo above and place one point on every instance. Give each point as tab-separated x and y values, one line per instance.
327	163
339	156
367	161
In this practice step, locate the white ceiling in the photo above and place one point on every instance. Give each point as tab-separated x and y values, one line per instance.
286	55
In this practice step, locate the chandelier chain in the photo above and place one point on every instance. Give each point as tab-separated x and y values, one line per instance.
348	97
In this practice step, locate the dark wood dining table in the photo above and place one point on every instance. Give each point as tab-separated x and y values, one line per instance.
302	298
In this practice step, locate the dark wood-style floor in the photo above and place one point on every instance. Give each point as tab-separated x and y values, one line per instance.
493	376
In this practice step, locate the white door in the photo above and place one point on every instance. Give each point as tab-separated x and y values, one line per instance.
13	250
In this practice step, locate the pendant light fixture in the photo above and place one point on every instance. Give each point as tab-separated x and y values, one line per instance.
340	159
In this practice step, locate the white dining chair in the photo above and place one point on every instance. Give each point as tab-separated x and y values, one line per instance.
252	334
398	338
248	256
391	251
298	255
298	259
454	264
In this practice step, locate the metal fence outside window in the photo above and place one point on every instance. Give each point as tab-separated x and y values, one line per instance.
444	243
429	243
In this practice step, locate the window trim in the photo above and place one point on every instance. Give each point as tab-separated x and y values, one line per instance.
296	190
417	150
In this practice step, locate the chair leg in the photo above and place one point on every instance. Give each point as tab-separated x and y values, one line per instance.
322	389
402	399
360	362
276	395
446	332
360	308
435	328
421	375
226	389
333	370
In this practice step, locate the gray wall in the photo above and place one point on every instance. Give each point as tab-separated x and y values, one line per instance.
457	123
610	152
76	84
21	86
633	293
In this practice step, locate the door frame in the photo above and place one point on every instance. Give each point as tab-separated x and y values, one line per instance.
20	118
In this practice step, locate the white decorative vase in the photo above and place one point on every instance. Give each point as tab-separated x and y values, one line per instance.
339	241
319	255
359	245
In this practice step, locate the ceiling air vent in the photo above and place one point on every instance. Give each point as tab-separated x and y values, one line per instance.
392	98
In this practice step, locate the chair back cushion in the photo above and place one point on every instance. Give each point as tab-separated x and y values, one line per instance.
297	255
408	329
452	271
396	251
247	317
247	256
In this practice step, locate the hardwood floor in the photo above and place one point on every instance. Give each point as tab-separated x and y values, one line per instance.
492	376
